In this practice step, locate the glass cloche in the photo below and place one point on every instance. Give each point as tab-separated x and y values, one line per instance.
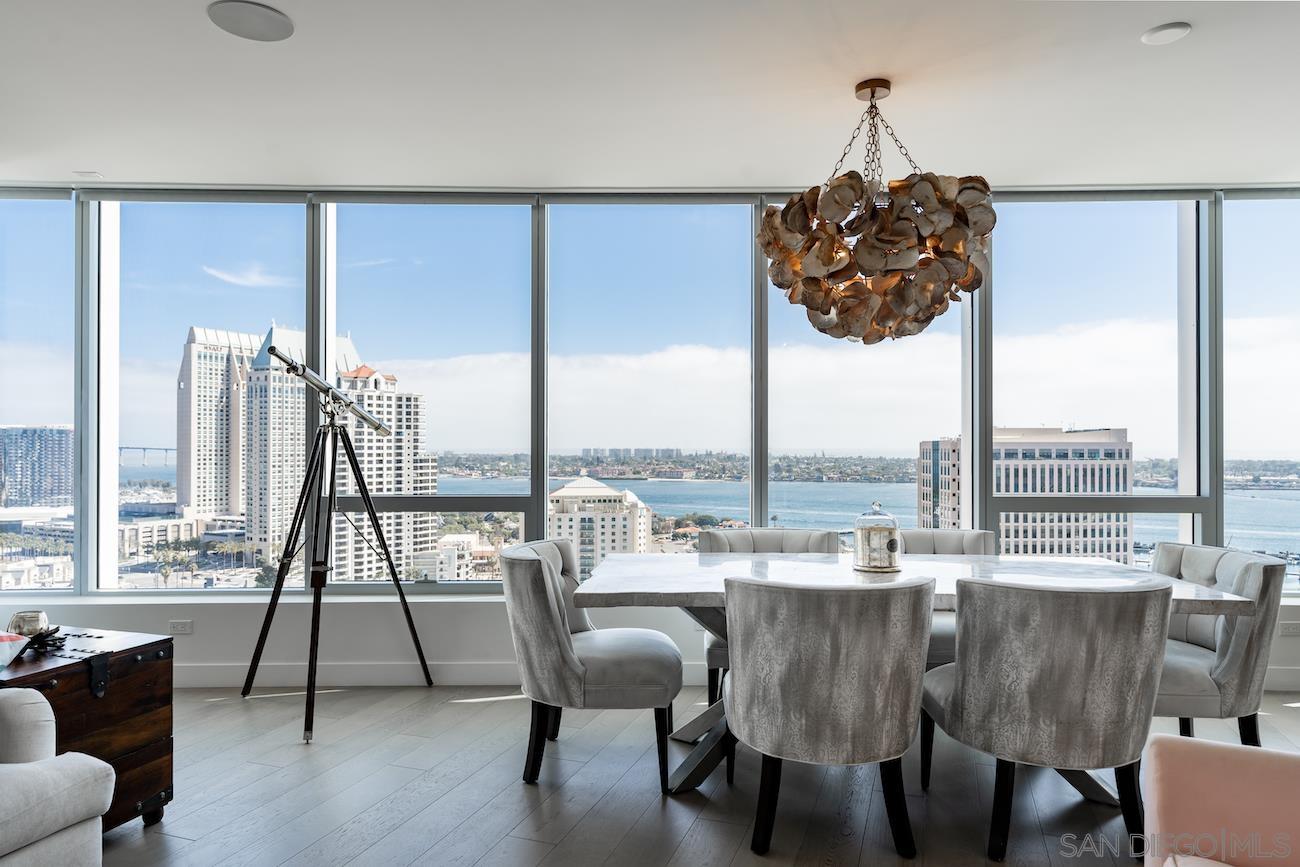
876	541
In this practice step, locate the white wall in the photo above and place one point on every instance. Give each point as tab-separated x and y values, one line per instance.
364	639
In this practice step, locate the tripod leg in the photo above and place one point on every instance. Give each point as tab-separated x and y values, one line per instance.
309	485
360	482
311	665
322	535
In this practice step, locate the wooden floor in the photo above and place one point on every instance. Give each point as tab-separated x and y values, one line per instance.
431	776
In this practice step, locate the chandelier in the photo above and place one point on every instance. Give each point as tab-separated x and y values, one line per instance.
871	260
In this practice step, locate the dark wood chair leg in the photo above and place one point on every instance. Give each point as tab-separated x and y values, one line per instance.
1249	728
537	741
715	676
891	781
927	748
553	728
769	787
662	727
1130	803
729	746
1004	788
671	726
1185	727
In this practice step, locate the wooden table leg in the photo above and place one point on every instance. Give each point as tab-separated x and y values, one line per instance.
700	726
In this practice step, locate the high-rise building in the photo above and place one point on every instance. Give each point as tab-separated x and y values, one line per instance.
210	404
36	465
1039	462
598	520
395	464
251	413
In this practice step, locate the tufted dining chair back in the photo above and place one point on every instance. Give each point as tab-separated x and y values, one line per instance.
769	540
1240	643
828	675
1057	678
948	541
539	579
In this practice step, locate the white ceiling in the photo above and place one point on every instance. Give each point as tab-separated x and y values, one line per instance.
559	94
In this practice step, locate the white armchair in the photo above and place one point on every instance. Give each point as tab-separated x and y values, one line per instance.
50	806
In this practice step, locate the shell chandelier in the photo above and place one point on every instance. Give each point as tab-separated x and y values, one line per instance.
872	260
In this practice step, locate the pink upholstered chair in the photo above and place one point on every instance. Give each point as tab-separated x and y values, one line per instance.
1217	804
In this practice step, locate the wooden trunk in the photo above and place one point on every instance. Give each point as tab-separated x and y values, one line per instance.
112	698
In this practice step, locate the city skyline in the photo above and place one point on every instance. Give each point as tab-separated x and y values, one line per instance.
179	259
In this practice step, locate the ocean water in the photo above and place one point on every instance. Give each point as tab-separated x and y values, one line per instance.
1257	520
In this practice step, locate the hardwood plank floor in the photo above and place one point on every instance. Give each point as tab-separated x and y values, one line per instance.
402	776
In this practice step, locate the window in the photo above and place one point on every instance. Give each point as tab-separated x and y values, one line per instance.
1102	332
435	547
850	425
37	410
649	371
1261	444
202	435
436	299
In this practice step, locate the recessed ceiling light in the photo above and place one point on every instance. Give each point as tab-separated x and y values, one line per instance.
1164	34
251	20
85	173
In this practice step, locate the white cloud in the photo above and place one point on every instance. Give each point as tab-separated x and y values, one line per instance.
254	275
368	263
832	396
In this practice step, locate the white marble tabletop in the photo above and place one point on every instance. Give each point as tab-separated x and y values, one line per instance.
696	580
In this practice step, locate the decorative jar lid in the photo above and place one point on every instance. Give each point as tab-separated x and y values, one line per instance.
877	517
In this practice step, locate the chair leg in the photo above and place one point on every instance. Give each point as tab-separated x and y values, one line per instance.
715	675
927	748
671	727
891	780
1249	728
1004	788
769	787
662	727
553	728
1130	803
729	745
537	741
1185	728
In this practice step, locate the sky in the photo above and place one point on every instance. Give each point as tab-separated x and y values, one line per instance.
649	323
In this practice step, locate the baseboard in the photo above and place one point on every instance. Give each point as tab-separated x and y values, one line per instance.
456	673
1282	678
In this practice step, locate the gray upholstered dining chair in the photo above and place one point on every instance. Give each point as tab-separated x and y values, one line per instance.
564	661
791	643
943	629
750	540
1215	664
1059	678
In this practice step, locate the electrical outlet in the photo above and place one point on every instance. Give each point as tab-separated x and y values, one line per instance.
1292	628
180	627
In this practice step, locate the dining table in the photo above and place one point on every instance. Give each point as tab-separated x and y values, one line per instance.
695	583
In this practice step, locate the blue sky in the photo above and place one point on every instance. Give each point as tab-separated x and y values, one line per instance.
434	282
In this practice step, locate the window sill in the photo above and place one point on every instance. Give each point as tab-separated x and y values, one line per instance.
253	598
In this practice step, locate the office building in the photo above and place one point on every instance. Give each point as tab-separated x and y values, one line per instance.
36	465
1039	462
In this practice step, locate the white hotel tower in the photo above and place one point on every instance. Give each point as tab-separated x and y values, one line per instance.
241	444
1039	462
598	520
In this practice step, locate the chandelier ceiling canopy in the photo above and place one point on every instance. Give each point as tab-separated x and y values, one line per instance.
870	259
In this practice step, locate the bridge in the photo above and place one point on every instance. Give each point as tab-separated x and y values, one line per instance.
167	456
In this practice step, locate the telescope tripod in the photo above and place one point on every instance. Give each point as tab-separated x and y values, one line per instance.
322	502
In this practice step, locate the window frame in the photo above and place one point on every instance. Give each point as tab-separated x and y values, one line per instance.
1200	336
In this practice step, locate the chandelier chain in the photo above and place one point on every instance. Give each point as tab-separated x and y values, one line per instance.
848	147
872	160
902	149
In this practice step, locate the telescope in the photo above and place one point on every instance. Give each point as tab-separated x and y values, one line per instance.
332	394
